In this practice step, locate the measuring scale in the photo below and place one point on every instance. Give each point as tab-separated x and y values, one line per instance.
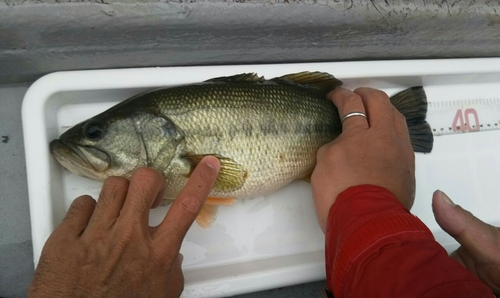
460	116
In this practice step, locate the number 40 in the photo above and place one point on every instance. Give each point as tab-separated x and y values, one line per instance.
462	121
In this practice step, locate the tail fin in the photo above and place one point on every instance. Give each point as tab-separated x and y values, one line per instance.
412	103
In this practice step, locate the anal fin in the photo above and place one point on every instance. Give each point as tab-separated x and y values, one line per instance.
220	201
306	177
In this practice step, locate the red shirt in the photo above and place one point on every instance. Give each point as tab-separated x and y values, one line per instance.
376	248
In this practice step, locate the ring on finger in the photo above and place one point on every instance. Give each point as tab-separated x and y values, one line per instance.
352	114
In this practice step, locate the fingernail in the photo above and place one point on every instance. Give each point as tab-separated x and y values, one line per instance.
446	198
343	91
213	163
209	163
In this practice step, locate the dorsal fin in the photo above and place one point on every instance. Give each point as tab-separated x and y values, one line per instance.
243	77
319	81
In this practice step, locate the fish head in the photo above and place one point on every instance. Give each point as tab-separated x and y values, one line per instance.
109	144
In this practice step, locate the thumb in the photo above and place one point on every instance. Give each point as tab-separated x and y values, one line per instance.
480	239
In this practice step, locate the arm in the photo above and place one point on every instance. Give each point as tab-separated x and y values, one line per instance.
376	248
363	186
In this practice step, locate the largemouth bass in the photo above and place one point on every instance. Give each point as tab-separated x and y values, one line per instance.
264	132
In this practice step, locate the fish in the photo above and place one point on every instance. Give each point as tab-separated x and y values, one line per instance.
265	133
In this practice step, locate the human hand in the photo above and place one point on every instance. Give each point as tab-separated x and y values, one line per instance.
480	242
374	151
108	249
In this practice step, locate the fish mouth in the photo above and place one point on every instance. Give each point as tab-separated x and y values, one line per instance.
81	160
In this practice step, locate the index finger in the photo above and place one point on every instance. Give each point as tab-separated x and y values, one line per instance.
188	204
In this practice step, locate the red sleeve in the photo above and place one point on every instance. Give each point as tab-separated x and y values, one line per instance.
376	248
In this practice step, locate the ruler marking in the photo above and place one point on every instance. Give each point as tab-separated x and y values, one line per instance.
470	115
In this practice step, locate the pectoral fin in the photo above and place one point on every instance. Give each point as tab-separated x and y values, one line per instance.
232	175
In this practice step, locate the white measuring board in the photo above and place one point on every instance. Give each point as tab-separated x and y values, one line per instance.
274	240
461	116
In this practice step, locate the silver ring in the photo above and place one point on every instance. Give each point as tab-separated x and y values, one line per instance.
351	115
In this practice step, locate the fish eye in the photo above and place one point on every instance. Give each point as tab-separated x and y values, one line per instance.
93	131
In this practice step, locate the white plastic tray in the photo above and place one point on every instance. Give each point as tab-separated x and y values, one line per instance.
269	241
